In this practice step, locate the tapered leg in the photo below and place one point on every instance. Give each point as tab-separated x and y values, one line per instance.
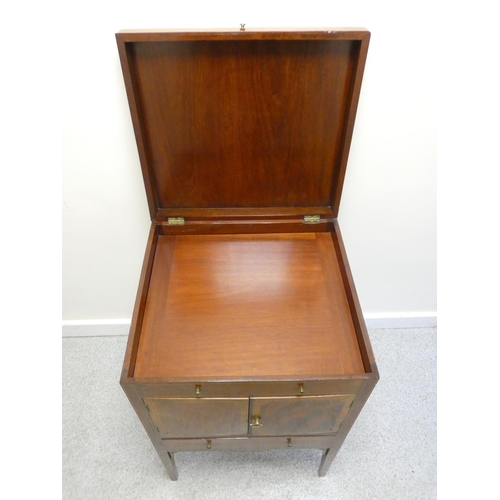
331	453
326	461
166	457
168	461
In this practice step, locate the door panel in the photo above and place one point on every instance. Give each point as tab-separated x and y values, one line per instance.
199	417
298	415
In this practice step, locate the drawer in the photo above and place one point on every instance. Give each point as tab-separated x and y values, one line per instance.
298	415
248	443
199	417
246	389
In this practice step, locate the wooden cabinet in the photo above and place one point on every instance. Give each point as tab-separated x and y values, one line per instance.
247	333
269	416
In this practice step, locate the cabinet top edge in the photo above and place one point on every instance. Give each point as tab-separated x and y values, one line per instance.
131	35
274	380
249	30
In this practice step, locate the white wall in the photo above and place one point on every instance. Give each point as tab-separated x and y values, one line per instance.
388	209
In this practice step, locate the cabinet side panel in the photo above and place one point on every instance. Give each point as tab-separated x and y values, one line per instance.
354	305
140	303
339	304
143	414
347	424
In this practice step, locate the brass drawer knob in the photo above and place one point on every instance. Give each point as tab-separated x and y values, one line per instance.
255	421
197	390
301	388
209	444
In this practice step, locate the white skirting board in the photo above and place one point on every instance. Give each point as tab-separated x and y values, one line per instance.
95	327
106	327
401	320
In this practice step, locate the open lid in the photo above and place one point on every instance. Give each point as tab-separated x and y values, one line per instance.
243	123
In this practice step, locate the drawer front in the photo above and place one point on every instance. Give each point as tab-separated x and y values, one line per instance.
298	415
199	417
248	389
248	443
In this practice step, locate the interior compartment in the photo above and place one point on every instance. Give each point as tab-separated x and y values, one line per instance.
230	306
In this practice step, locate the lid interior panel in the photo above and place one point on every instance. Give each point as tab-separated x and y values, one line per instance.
242	123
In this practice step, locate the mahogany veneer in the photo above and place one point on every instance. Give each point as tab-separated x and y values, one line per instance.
246	305
247	332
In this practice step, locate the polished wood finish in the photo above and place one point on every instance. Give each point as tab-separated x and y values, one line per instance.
262	303
249	386
247	332
330	256
248	227
279	106
299	415
248	443
198	417
353	300
140	303
167	458
358	403
202	215
163	35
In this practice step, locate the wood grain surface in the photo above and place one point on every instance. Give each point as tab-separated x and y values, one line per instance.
259	305
249	443
245	120
299	414
247	322
199	417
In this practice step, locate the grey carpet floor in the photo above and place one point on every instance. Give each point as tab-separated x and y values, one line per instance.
390	452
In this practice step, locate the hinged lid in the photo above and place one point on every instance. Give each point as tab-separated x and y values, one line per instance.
243	123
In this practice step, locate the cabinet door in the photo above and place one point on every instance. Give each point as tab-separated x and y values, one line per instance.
298	415
199	417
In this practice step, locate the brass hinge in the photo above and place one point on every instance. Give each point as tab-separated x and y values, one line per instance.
312	219
175	221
